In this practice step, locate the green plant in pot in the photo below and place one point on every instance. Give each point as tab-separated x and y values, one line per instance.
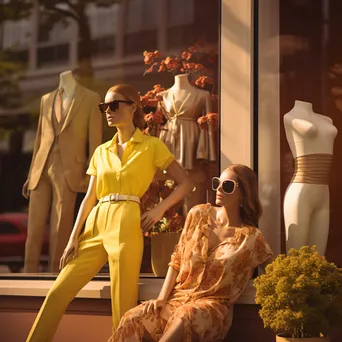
300	295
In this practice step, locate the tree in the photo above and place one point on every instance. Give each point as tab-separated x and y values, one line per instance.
57	11
10	74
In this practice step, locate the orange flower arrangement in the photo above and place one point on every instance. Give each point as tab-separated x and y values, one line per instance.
198	61
153	117
152	97
156	117
149	57
203	81
172	221
211	118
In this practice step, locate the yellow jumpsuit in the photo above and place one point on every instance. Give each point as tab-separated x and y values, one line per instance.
112	232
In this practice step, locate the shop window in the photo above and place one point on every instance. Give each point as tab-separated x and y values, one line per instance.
8	229
185	47
19	56
103	46
53	55
134	43
300	81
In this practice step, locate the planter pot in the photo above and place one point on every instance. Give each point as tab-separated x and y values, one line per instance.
162	246
285	338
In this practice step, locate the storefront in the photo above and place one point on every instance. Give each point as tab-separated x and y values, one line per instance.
272	53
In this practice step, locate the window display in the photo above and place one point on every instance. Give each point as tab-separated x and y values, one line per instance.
68	124
300	97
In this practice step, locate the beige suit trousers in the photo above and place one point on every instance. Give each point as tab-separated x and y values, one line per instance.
51	208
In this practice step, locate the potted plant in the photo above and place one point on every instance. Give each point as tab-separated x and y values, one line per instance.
300	295
165	233
164	237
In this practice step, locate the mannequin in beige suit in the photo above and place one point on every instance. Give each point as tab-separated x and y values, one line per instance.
69	130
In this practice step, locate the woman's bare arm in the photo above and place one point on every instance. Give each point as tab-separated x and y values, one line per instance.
86	206
168	285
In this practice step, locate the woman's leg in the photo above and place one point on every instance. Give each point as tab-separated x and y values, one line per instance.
77	273
131	327
175	332
136	327
204	320
124	256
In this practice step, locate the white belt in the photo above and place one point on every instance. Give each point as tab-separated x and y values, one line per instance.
118	197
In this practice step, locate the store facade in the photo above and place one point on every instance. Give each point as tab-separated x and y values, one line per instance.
272	54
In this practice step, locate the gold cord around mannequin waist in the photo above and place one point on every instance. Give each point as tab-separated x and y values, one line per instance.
312	169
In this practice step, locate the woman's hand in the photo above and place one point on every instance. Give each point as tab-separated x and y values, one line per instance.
150	218
69	253
154	306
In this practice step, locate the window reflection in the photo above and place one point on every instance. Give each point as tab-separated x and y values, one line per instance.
102	44
309	71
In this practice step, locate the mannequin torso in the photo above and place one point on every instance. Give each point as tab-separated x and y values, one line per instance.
68	84
185	101
183	104
302	133
306	204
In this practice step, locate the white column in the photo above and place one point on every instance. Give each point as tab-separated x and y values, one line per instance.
236	83
269	122
237	101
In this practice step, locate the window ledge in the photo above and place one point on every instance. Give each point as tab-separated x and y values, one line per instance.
148	288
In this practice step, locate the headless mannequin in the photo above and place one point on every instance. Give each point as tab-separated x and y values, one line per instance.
311	138
68	84
69	130
183	104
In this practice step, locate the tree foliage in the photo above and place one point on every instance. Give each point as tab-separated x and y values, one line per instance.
300	294
60	11
10	74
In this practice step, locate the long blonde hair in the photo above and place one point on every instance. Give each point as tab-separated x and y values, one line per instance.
251	208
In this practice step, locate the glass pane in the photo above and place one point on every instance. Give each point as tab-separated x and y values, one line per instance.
8	229
300	82
49	139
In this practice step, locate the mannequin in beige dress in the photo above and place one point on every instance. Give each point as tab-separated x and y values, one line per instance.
183	104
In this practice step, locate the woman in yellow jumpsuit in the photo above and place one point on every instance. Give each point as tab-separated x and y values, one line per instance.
121	171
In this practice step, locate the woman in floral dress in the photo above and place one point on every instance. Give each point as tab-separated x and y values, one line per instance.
215	257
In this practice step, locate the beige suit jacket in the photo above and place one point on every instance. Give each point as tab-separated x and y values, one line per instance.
81	133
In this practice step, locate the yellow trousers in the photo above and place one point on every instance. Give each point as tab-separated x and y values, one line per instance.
112	233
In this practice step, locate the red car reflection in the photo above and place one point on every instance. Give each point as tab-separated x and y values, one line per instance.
13	231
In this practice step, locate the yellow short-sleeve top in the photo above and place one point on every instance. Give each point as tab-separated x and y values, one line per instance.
134	173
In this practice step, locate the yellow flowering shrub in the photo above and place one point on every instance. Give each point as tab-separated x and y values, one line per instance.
300	294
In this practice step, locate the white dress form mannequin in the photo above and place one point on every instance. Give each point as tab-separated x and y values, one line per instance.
183	104
311	139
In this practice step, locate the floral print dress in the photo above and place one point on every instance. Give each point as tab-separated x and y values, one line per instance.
207	285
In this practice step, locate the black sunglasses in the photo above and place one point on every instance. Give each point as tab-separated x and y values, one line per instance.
113	106
228	185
